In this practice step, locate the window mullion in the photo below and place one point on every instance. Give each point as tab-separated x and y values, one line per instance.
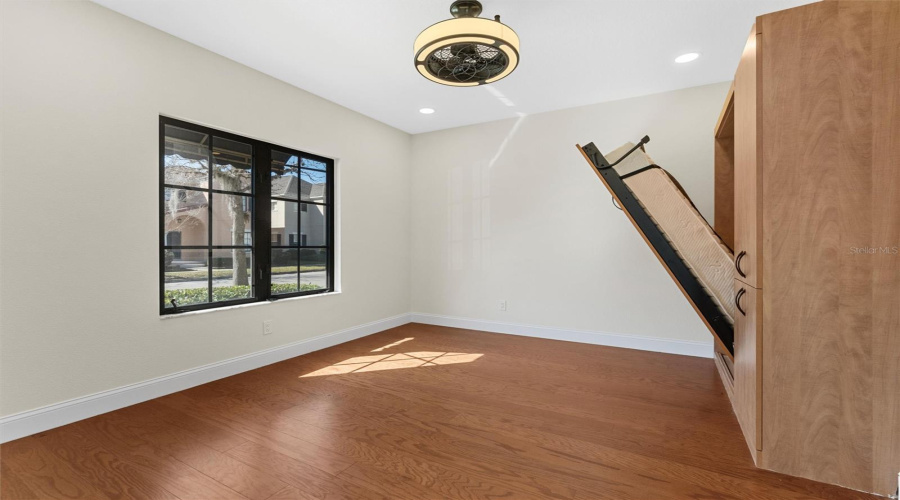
329	226
297	242
263	219
162	217
209	218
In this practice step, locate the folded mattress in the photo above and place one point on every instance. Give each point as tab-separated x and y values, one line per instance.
690	235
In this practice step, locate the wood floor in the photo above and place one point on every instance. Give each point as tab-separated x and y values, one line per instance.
419	412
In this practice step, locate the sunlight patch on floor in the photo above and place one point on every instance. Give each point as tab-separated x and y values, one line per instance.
394	344
379	362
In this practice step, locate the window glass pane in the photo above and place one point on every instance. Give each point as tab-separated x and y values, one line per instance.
284	175
312	186
232	275
186	279
232	166
313	262
314	224
185	217
232	218
307	163
284	222
186	157
284	270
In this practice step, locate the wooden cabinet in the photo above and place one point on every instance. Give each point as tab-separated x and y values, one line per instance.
724	168
815	382
747	375
738	162
747	178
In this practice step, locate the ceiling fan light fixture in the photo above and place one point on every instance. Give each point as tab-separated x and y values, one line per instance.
467	50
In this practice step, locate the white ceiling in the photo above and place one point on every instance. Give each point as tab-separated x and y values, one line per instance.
358	53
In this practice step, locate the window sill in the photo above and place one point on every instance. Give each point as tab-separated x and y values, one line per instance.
243	306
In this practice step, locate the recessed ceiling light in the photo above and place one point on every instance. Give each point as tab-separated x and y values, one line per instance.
426	111
686	58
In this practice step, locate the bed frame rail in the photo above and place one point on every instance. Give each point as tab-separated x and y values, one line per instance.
722	330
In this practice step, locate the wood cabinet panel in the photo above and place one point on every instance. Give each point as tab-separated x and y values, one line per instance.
747	179
886	232
747	363
831	156
724	171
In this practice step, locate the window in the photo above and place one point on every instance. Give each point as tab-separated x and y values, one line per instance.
217	248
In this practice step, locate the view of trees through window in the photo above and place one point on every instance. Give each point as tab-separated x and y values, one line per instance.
213	249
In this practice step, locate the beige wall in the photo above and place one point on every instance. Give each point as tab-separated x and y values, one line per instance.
82	89
509	210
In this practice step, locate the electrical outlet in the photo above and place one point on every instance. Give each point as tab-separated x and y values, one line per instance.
502	305
267	327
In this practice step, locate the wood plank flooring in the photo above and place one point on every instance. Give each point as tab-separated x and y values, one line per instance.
419	412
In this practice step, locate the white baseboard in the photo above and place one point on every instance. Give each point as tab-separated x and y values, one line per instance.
41	419
655	344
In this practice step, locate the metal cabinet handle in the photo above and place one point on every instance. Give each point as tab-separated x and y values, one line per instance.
737	263
737	301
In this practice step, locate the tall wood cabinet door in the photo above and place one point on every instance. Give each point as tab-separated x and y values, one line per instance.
747	363
747	174
831	172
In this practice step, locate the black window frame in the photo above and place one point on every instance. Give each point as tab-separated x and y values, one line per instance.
261	220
